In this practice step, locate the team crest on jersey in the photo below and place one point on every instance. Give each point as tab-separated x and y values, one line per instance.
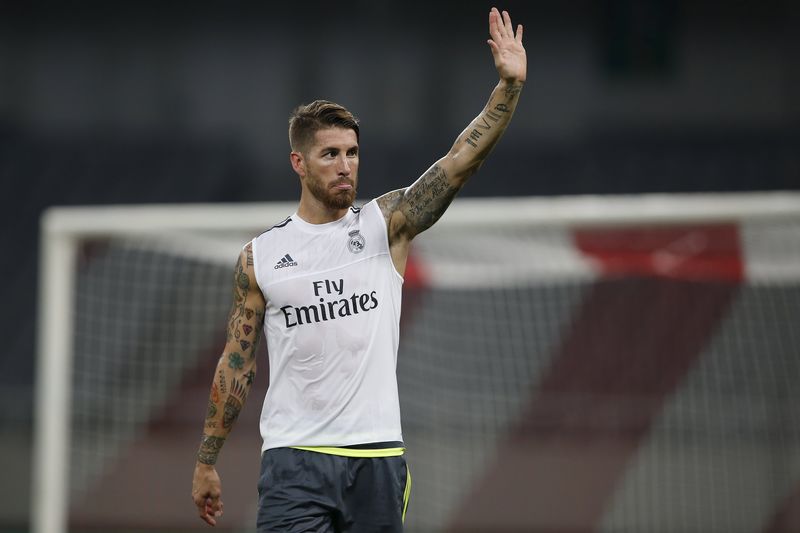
355	242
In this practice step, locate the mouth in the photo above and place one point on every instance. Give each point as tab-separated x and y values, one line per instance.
342	186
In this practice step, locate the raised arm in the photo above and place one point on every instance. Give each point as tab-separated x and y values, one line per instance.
233	377
414	209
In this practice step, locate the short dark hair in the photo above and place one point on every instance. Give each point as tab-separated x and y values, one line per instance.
307	119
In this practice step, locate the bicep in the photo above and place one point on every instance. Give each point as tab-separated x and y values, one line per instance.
412	210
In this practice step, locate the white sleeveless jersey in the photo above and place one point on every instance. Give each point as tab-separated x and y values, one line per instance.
332	324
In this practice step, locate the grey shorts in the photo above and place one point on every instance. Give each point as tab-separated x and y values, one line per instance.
308	491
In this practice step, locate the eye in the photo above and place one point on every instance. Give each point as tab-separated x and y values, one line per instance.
330	153
353	152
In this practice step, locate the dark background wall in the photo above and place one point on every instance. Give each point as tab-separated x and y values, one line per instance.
144	102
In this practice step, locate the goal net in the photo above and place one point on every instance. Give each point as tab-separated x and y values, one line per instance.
611	364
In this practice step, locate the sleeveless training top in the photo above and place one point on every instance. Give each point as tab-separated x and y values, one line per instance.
332	324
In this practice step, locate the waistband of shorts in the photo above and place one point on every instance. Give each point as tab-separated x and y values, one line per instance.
372	449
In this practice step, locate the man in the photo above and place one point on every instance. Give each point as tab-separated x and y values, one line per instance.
326	283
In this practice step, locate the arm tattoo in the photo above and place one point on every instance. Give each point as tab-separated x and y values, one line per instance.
241	288
209	449
427	199
513	90
212	411
234	375
497	114
234	403
232	409
235	361
389	202
254	347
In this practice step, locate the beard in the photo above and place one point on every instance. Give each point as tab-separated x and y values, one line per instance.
331	198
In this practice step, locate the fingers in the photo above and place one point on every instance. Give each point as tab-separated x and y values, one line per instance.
519	33
507	26
205	512
500	26
208	518
496	21
216	507
494	25
209	509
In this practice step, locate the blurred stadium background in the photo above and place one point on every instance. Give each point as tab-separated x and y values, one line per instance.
147	102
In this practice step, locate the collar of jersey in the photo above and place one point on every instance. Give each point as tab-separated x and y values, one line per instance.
322	228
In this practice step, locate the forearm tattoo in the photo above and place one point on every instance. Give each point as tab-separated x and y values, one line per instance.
209	449
488	119
424	202
428	198
234	403
493	119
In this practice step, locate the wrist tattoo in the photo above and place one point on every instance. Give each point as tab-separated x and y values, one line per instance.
209	449
513	90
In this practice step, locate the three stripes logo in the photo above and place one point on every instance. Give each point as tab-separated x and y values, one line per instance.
286	261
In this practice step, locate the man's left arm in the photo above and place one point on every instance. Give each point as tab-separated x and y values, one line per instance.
411	211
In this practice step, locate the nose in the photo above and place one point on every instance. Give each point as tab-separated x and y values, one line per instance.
344	166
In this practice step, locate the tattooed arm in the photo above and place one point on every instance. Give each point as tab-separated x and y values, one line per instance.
234	375
413	210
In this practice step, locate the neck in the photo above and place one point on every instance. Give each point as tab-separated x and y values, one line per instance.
315	212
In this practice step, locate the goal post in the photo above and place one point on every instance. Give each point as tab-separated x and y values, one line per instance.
52	395
511	378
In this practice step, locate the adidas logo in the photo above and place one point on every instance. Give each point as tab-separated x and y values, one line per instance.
286	261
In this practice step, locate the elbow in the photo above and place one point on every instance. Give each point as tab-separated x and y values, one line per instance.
463	165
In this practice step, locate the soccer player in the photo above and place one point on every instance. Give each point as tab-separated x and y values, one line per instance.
325	284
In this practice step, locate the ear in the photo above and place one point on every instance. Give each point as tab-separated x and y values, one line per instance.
298	163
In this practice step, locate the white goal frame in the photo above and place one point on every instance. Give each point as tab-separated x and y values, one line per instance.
63	228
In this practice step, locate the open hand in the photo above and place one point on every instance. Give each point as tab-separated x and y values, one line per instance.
509	54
